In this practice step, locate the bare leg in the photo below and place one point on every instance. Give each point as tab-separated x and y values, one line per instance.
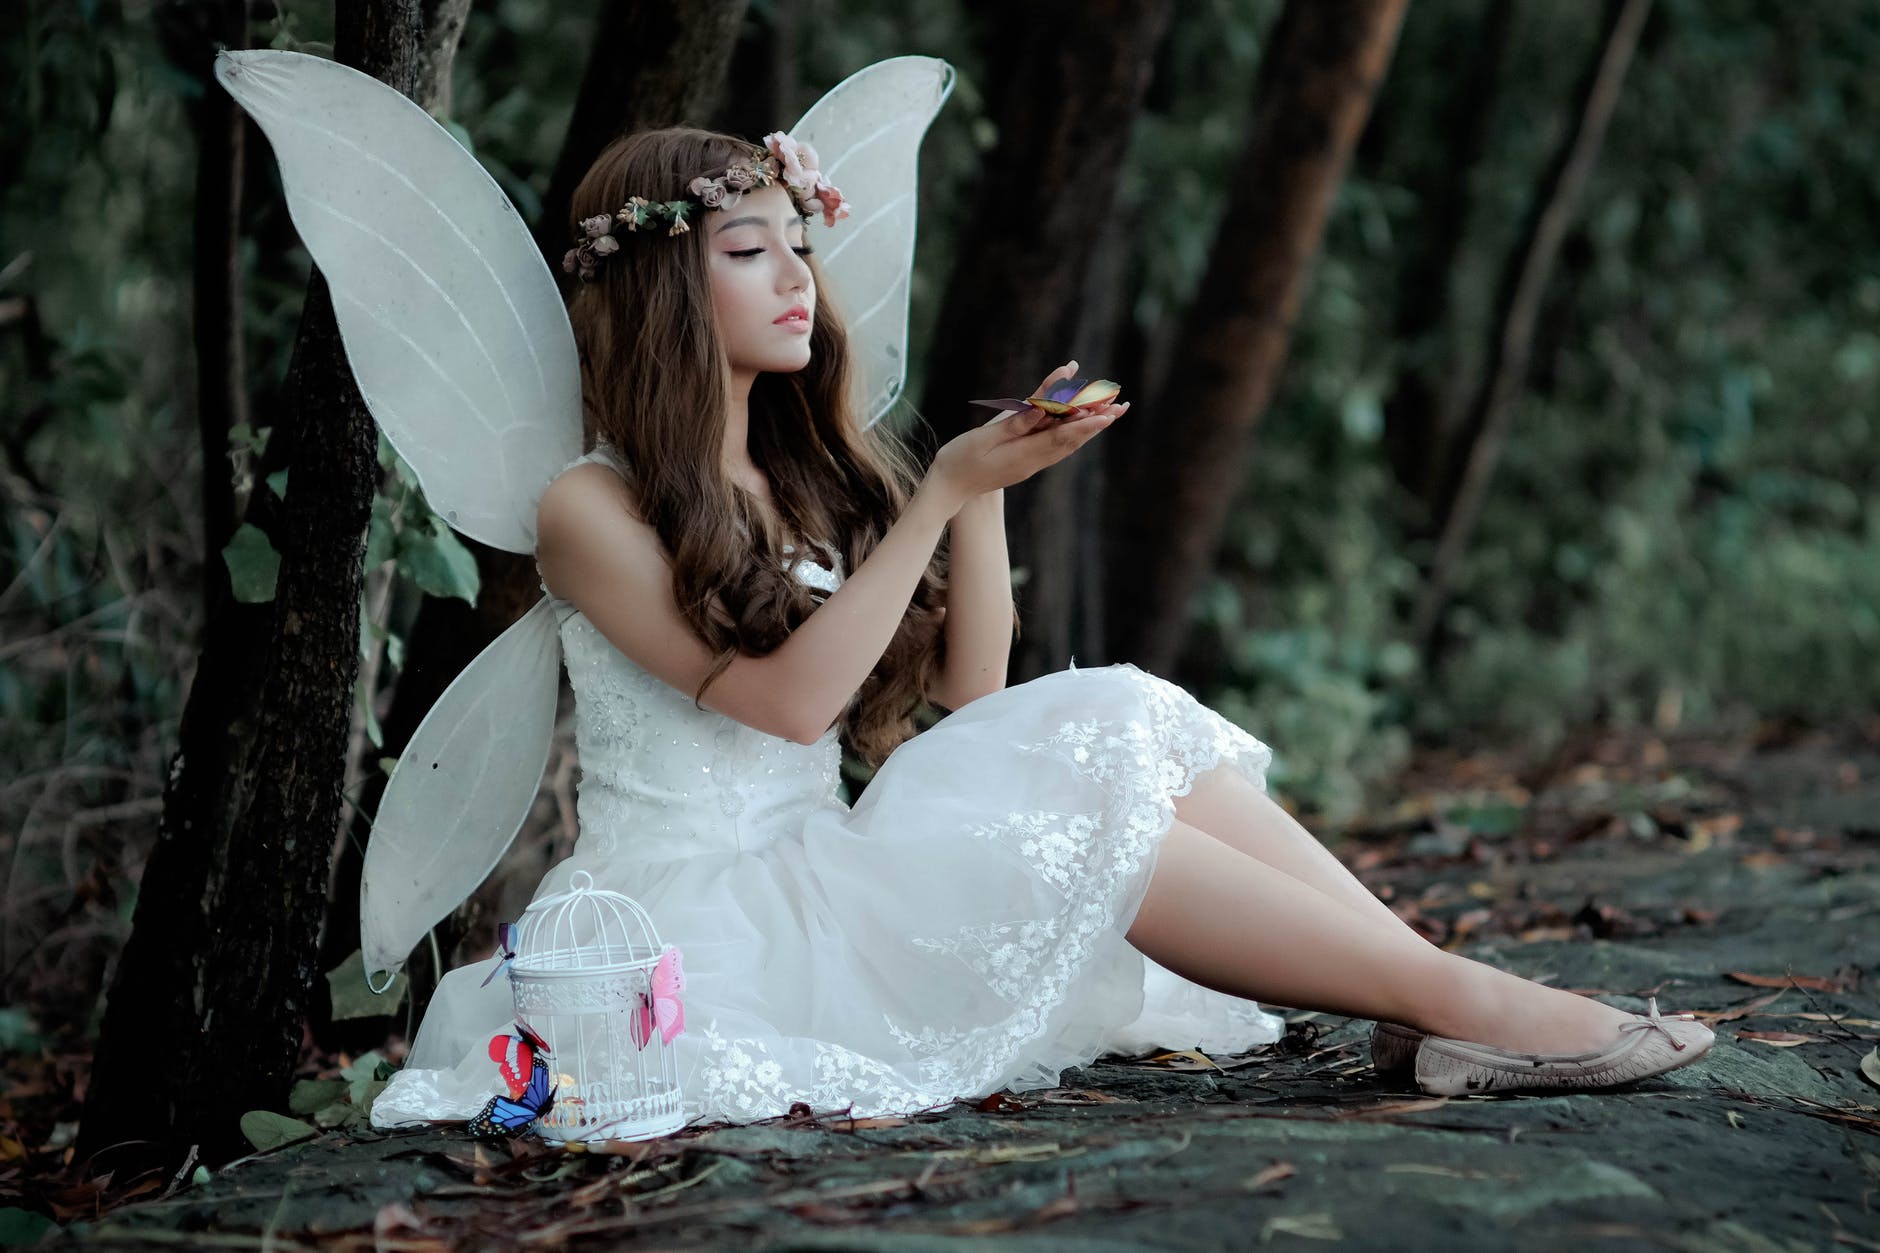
1229	808
1238	924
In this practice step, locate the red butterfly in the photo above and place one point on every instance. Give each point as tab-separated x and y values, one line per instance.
515	1056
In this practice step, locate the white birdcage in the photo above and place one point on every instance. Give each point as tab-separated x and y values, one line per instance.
583	977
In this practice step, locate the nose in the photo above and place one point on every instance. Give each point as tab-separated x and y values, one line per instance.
796	272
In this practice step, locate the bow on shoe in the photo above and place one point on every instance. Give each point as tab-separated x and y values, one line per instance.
1651	1020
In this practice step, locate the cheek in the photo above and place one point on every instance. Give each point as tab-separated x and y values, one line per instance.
737	292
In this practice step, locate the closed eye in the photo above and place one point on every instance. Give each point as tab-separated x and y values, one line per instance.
752	252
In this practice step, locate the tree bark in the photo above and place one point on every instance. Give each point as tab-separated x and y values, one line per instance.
1317	79
1066	81
205	1015
1524	283
1416	422
654	63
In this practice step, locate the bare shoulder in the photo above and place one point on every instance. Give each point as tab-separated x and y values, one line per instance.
588	521
582	489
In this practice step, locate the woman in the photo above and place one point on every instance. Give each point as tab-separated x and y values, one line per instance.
746	578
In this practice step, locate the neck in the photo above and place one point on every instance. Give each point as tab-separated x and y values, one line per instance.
737	450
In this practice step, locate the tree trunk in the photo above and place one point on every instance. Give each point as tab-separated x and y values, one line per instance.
654	63
205	1016
221	368
1415	423
1066	81
1318	77
1524	283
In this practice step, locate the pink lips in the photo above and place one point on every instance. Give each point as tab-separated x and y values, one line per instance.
797	319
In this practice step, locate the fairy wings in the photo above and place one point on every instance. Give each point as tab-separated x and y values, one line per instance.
456	334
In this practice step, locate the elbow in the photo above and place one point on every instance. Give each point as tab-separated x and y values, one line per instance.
958	698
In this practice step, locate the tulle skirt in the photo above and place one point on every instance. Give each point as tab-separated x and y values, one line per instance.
959	931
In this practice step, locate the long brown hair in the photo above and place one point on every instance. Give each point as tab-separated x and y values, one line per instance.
653	386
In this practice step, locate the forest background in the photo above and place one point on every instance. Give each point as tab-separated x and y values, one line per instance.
1653	334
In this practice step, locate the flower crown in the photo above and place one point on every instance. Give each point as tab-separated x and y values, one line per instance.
784	159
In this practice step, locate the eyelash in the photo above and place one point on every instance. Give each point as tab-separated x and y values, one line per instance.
751	252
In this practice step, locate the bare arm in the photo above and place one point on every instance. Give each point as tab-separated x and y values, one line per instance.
596	553
979	603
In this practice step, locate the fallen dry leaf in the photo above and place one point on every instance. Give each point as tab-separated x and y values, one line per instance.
1814	983
1312	1226
1180	1059
1272	1174
1777	1039
1075	1096
1837	1019
1743	1010
1870	1068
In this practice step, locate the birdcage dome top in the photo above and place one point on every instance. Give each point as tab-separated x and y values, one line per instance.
585	929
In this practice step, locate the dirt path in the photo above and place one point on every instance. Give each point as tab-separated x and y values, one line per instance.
1630	875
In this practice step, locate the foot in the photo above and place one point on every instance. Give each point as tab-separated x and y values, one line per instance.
1645	1045
1504	1011
1573	1024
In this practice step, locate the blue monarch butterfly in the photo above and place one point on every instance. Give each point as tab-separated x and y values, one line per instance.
520	1059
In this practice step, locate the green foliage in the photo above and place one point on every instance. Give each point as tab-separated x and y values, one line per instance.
352	998
342	1102
1683	526
267	1130
253	565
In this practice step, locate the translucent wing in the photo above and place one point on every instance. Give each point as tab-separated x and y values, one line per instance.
452	322
458	339
461	790
867	132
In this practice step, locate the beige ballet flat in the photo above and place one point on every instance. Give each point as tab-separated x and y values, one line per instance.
1648	1045
1394	1048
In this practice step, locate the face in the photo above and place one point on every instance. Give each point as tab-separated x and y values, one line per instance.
763	294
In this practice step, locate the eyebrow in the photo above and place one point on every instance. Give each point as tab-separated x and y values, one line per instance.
752	219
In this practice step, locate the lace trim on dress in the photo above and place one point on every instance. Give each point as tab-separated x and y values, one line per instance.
1144	764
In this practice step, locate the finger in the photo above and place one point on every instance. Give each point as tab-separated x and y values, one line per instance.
1035	419
1065	371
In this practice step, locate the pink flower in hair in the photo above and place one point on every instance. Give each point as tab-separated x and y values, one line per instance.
713	193
834	207
597	225
789	154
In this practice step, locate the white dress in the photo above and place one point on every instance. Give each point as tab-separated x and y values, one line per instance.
959	931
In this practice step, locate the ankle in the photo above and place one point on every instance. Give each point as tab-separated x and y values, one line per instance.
1469	1005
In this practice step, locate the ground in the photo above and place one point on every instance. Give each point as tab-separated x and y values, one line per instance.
1743	883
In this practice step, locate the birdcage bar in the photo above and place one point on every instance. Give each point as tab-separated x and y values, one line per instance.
584	962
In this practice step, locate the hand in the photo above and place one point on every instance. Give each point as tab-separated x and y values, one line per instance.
1014	446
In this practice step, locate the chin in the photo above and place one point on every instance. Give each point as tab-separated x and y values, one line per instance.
787	363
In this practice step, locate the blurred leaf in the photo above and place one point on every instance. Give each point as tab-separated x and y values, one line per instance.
266	1130
253	565
437	561
351	998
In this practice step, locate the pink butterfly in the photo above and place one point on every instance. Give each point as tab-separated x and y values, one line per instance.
660	1006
